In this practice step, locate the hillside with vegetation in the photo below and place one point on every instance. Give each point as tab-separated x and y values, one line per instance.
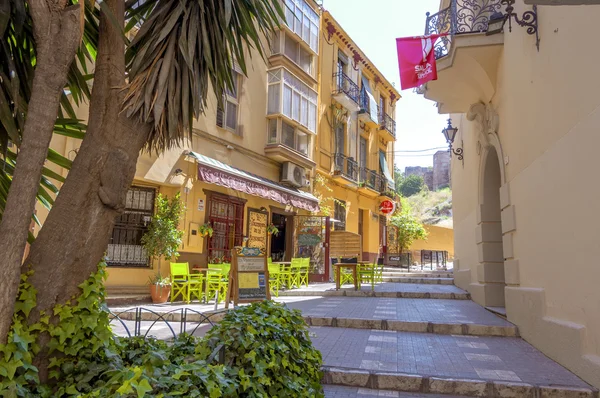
430	207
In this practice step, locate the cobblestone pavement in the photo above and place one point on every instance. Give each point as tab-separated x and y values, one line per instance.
409	310
383	287
464	357
353	392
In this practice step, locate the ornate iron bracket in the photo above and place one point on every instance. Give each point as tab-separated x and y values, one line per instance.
528	20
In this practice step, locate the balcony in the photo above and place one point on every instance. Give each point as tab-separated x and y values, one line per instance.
467	58
387	125
371	182
287	141
369	111
345	169
345	91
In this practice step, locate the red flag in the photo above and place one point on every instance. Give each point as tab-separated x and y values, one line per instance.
416	59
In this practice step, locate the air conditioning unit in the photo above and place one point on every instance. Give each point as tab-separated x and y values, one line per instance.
292	174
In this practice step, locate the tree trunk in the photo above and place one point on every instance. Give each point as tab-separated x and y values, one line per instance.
76	232
58	35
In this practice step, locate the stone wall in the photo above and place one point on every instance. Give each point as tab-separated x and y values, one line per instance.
425	172
441	170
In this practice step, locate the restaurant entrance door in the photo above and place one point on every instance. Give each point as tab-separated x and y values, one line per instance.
279	240
311	239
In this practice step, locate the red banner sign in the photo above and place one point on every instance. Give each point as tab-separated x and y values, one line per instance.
416	60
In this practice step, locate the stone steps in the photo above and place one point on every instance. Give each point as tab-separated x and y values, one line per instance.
332	391
393	381
369	293
418	274
412	279
466	329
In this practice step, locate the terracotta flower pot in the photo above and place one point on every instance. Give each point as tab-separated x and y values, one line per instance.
159	294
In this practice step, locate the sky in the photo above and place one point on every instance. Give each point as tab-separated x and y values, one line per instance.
374	25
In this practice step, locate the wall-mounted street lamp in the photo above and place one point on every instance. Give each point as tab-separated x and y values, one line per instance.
528	19
450	133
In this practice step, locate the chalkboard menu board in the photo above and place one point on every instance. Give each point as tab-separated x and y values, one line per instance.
249	276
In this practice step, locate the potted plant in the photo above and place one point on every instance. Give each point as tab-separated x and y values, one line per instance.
205	230
160	288
164	237
272	230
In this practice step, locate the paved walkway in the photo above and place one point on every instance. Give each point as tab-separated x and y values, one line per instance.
461	357
354	392
386	287
409	310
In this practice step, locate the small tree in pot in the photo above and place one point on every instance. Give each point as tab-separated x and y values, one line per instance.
162	240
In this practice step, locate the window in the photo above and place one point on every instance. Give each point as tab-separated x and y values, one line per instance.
292	49
226	216
227	113
291	136
298	101
304	21
125	245
339	213
382	104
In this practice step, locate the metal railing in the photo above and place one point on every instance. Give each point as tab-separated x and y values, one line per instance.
387	123
343	84
462	16
372	179
364	103
141	321
348	167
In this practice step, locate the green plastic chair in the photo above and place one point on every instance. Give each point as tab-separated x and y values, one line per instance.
217	281
367	273
378	272
185	284
296	270
275	280
303	271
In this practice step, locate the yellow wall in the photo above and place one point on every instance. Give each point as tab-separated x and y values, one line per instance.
547	139
439	238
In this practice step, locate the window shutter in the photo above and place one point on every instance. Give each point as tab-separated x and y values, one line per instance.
220	116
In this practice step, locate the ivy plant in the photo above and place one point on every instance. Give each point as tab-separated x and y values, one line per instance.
267	346
267	354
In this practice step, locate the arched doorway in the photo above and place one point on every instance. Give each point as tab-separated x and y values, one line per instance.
491	257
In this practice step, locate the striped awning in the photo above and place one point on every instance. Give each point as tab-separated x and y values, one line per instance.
214	172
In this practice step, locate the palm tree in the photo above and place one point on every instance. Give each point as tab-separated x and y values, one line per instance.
145	95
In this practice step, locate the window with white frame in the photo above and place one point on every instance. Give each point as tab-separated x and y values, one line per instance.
304	21
289	96
284	44
227	113
285	133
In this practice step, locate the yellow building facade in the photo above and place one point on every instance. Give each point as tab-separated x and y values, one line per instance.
527	111
253	161
357	134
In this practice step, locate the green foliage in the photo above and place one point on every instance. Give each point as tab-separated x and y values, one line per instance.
158	280
410	185
267	346
163	237
409	227
268	353
432	207
206	229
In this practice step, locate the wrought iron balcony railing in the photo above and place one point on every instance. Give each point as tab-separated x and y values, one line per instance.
346	166
372	179
343	84
386	122
463	16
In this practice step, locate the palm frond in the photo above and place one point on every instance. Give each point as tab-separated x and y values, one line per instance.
182	47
